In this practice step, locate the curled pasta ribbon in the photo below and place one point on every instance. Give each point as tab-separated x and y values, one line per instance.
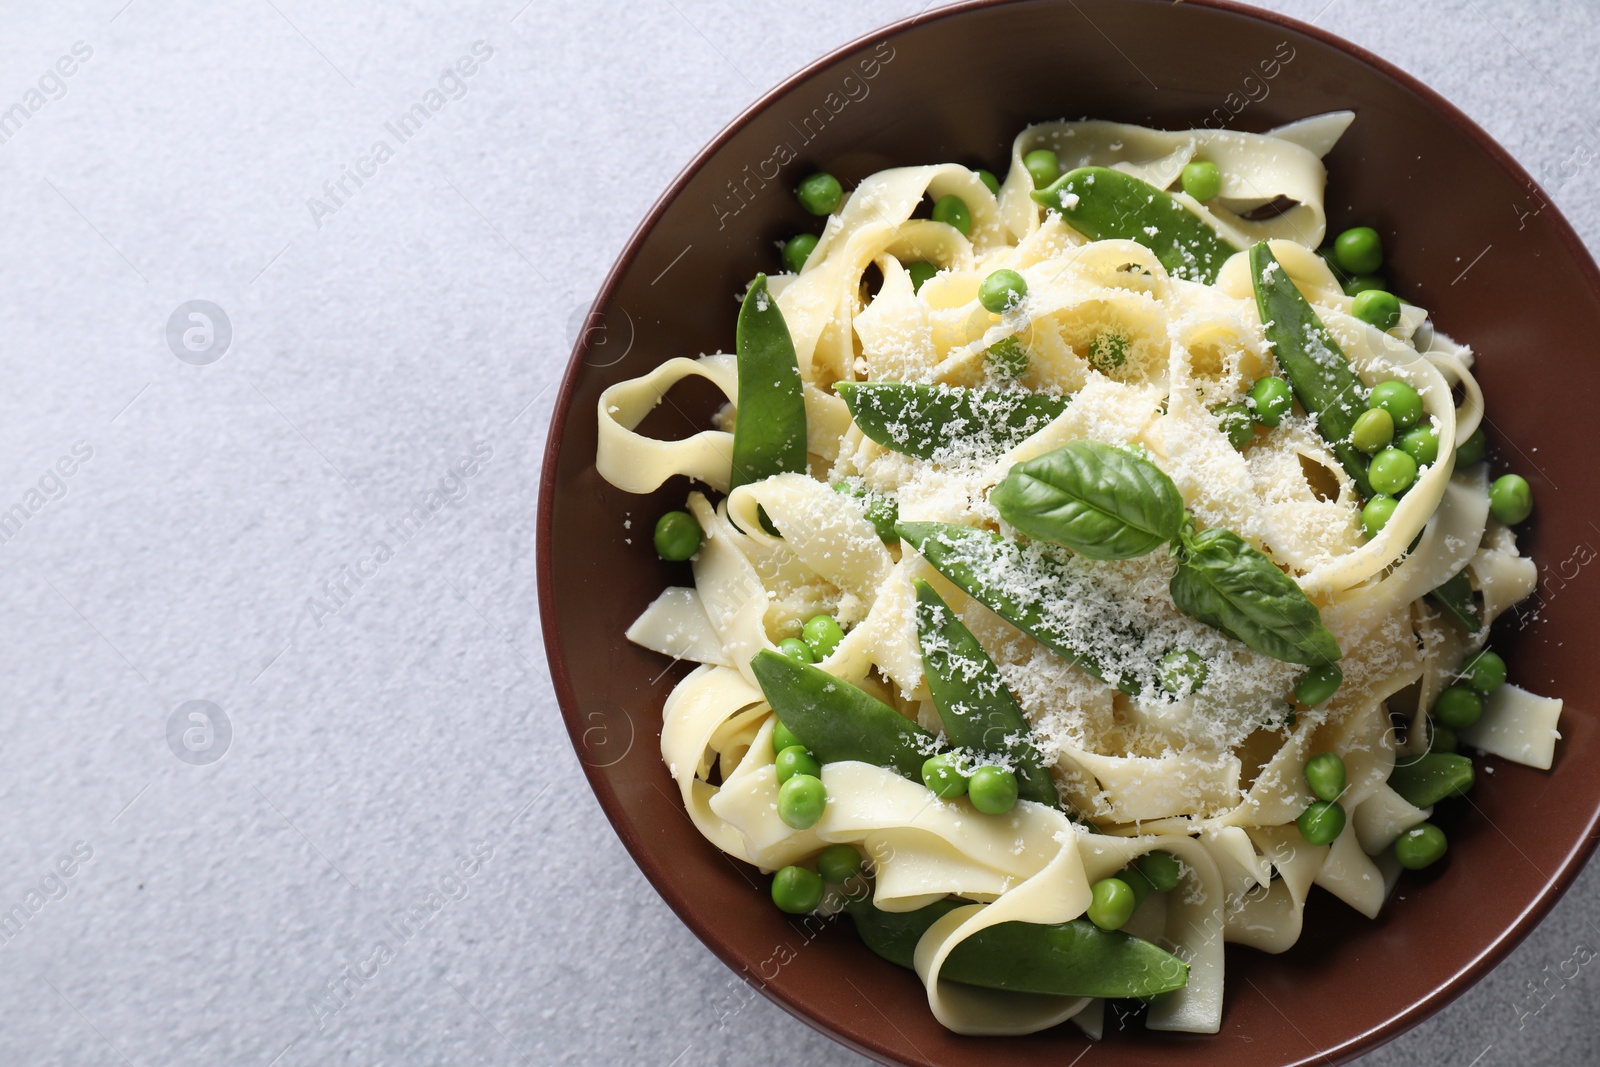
924	848
698	707
822	302
639	464
1257	169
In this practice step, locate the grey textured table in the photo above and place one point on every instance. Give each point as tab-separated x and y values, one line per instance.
315	516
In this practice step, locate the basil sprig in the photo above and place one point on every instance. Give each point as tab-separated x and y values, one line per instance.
1099	501
1106	503
1225	582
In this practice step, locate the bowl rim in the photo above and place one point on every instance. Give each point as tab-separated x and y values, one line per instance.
1499	945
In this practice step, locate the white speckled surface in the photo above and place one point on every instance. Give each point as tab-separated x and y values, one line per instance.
395	749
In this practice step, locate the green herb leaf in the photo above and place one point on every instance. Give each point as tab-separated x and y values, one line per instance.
931	421
1225	582
1099	501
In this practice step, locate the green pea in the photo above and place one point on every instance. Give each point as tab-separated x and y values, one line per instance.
1182	671
1201	179
798	249
1111	903
920	273
1373	430
1043	166
1362	282
1375	514
1485	672
1358	250
795	648
796	890
783	737
1237	423
1421	846
940	774
820	194
1392	472
838	863
1007	358
1325	775
801	800
1458	707
1318	684
993	790
677	536
1272	399
1322	822
796	760
1162	869
1378	307
1471	450
952	211
989	181
1002	290
1421	443
1442	738
1511	499
822	633
1400	400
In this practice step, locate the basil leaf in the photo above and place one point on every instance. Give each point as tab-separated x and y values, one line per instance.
1099	501
1224	582
933	422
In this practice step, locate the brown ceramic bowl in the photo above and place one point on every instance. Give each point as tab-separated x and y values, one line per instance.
1469	235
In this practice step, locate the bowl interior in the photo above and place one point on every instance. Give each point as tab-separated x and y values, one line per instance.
1468	236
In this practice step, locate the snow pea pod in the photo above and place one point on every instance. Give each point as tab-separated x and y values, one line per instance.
1104	204
1311	359
1428	779
838	721
926	421
1070	959
977	710
1459	601
769	436
968	557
